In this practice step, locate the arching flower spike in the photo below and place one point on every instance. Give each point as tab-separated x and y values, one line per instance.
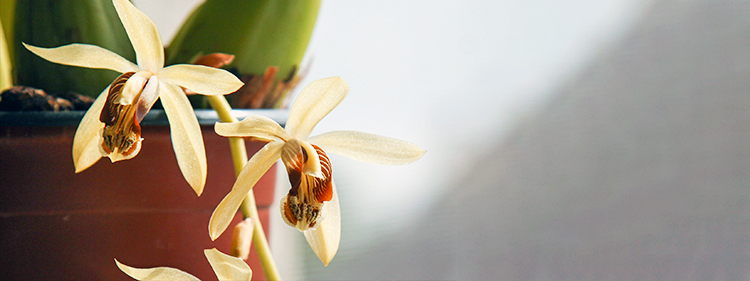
225	266
111	126
312	203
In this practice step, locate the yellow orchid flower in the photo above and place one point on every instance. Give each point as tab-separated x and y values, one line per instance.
225	266
111	127
312	203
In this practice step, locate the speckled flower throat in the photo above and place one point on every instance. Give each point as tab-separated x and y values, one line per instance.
303	207
121	135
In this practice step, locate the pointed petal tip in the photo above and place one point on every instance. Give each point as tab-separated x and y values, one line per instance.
198	190
228	267
212	230
143	34
335	80
313	103
32	48
197	184
185	132
324	240
79	168
340	80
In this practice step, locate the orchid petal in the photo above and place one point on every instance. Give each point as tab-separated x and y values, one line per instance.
156	273
86	141
143	34
149	95
228	267
315	101
255	168
201	79
368	148
84	55
324	239
187	139
255	126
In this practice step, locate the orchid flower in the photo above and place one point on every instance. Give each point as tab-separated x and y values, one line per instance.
111	126
225	266
312	203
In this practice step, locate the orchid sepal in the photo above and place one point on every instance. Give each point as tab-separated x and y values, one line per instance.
84	55
186	76
313	103
324	239
254	126
188	145
369	148
86	141
149	50
255	168
155	273
225	267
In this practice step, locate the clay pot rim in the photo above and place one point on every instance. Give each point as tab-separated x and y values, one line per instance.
155	117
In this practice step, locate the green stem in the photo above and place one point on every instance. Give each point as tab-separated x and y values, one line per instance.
6	80
248	207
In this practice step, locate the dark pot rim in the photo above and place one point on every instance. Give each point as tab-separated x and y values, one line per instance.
155	117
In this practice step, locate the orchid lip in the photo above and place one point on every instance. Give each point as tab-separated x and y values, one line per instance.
121	135
304	205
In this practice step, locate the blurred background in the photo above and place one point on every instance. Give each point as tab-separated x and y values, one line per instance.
577	139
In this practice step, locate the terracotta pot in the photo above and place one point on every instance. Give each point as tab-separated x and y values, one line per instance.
58	225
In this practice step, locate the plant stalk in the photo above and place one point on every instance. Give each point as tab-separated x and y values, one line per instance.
6	80
248	207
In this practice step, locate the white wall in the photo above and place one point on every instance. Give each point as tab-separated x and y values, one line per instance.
450	76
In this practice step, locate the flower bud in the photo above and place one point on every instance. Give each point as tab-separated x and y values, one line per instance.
242	238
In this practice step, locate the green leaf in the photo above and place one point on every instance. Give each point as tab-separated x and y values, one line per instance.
259	33
53	23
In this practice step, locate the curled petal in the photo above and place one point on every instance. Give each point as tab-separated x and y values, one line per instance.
110	110
156	273
228	267
143	35
302	157
187	139
312	165
84	55
133	88
324	239
254	126
201	79
86	141
254	169
315	101
368	148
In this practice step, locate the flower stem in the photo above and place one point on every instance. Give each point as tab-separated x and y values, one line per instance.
248	207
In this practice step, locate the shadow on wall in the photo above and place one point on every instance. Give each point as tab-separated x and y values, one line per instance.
639	169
